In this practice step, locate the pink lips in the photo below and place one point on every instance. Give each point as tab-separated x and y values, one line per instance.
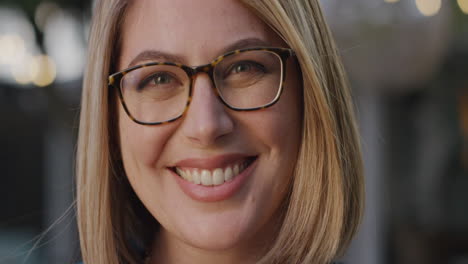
213	193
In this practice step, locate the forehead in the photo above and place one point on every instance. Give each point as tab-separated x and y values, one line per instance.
194	30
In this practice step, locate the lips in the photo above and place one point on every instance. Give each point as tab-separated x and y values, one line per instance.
216	176
213	179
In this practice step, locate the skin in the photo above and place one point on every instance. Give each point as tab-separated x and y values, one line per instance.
235	230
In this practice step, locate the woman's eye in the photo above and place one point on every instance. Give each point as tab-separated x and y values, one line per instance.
246	67
242	68
159	79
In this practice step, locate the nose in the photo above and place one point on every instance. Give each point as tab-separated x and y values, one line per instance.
206	120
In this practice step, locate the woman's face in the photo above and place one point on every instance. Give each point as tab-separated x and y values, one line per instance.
209	138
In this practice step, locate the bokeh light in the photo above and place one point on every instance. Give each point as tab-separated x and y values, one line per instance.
463	4
429	7
21	70
42	70
17	43
64	43
11	47
43	11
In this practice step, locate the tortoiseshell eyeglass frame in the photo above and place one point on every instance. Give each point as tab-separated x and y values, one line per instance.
283	54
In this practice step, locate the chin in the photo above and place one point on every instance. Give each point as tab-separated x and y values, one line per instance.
221	231
216	241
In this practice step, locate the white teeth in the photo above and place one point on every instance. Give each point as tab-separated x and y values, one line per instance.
218	177
182	173
228	174
188	176
211	177
236	169
206	178
196	177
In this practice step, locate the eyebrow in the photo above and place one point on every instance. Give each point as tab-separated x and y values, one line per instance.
155	55
246	43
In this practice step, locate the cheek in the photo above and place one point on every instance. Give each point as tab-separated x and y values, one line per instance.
277	131
141	145
283	124
283	129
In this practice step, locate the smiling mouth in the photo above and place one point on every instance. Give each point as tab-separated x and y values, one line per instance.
216	176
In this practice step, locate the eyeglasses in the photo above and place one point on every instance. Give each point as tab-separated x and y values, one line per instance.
244	80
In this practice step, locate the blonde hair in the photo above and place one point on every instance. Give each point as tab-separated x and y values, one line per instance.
325	204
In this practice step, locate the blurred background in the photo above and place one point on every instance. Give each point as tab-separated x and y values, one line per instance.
408	65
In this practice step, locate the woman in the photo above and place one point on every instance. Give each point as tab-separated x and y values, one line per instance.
251	157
